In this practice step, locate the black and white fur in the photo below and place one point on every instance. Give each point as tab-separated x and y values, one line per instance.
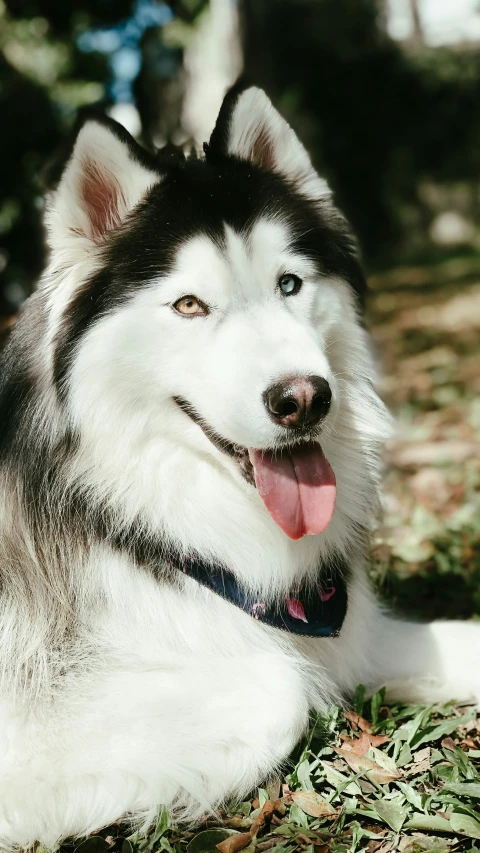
125	686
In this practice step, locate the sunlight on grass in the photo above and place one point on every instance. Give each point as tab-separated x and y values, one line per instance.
402	777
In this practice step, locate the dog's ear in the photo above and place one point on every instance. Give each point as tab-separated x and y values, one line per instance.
250	128
106	175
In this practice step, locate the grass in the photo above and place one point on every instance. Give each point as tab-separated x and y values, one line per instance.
398	778
380	778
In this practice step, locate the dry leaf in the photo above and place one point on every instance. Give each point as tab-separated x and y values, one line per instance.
234	843
374	846
357	721
361	764
313	804
420	763
303	838
445	815
418	768
469	743
361	745
422	755
385	848
448	743
265	815
273	788
242	839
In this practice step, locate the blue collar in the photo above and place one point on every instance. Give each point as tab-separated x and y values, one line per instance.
315	609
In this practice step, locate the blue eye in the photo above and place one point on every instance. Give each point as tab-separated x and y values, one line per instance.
290	284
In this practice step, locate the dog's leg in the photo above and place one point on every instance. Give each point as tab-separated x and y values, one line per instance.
185	735
436	661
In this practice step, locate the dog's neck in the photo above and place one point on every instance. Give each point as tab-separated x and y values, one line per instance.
179	498
314	609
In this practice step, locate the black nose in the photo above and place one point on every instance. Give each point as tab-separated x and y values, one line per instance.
299	401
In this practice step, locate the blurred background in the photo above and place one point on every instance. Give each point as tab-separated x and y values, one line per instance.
385	95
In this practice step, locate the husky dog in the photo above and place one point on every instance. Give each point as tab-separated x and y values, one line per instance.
190	454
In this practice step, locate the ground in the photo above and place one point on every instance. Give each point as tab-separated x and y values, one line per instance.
426	325
392	778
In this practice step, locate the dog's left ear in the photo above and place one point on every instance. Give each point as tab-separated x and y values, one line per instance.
250	128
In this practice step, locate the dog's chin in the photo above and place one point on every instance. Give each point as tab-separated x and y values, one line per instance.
237	452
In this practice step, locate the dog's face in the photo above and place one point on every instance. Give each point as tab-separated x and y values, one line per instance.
209	304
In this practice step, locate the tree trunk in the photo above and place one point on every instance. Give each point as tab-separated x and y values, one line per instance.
418	37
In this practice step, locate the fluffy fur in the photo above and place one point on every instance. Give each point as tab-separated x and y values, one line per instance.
125	686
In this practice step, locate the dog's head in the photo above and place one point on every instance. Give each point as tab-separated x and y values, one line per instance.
211	304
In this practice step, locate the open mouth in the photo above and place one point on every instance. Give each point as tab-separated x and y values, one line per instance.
296	483
236	451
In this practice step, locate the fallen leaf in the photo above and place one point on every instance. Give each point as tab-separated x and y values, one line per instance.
265	815
374	846
242	839
234	843
361	745
419	844
429	823
339	781
313	804
421	755
421	762
435	732
236	822
304	838
273	787
448	743
417	769
361	764
392	812
469	743
465	824
357	721
465	789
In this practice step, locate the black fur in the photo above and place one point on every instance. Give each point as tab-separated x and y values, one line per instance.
200	197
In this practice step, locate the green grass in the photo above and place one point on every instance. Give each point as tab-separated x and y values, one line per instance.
415	788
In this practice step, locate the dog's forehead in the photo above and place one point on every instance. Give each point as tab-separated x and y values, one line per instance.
242	261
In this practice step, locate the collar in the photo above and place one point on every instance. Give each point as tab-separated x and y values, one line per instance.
316	609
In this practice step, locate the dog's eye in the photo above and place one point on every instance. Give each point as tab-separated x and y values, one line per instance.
189	306
289	284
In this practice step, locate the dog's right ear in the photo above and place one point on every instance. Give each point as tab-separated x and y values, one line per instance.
106	175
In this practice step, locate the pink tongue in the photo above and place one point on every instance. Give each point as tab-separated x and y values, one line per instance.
297	487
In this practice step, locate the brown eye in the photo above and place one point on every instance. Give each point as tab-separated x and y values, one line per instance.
189	306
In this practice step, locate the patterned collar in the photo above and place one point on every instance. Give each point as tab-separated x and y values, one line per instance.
317	610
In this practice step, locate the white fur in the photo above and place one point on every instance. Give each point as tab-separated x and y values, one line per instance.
75	246
169	695
257	128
